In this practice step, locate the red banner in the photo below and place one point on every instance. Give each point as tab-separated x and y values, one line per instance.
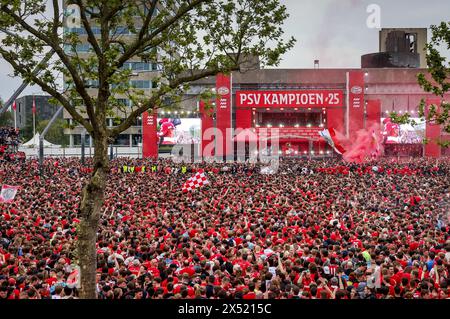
433	132
149	137
223	115
305	98
355	105
207	126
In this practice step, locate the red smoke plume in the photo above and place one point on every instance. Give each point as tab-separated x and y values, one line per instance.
365	145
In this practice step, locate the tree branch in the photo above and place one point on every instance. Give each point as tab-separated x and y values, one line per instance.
141	42
91	37
148	18
55	17
155	97
53	43
53	92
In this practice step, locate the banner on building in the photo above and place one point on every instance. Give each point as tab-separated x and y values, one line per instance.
149	135
355	102
224	140
432	131
207	124
303	98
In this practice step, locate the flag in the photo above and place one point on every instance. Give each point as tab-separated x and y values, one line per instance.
74	278
196	181
8	193
14	106
330	136
34	106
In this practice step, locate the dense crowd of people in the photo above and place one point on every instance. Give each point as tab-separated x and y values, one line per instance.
313	230
9	136
9	143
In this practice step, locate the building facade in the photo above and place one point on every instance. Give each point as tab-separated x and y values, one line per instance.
302	102
44	109
298	102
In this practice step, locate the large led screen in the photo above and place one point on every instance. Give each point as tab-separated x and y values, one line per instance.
173	131
394	133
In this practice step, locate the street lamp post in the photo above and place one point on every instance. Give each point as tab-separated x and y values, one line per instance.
139	144
111	152
83	142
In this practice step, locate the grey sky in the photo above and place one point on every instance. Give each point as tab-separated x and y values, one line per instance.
336	33
333	31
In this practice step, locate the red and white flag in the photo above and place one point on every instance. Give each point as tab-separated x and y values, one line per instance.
330	136
14	106
8	193
74	278
196	181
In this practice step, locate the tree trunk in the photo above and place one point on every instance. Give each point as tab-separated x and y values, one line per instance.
90	208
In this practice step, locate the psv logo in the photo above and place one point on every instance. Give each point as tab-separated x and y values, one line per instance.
356	90
9	193
223	90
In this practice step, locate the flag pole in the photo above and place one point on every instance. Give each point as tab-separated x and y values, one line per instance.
15	116
34	116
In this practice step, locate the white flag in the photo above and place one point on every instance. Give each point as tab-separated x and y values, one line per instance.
8	193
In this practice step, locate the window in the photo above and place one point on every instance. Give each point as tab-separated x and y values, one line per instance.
136	139
140	84
137	84
137	66
122	140
125	102
140	66
82	31
77	139
138	121
411	40
93	84
121	30
79	48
